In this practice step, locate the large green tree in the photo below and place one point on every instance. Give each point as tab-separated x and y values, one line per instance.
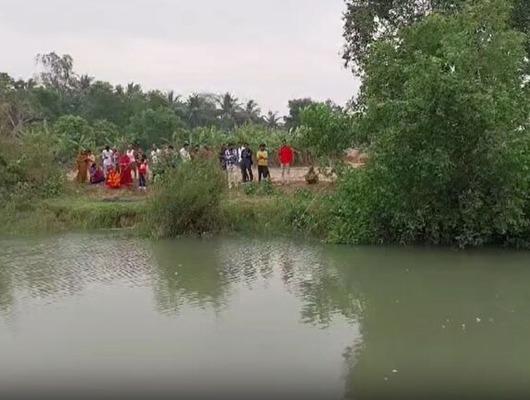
448	115
366	21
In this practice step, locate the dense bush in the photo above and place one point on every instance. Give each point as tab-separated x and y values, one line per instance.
186	200
449	163
29	169
72	134
327	131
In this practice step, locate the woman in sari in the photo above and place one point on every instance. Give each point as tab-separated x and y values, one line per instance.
113	179
82	167
96	174
125	170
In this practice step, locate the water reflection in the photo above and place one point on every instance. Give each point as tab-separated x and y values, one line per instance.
427	322
437	323
51	268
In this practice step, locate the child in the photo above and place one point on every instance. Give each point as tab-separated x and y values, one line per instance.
143	170
263	162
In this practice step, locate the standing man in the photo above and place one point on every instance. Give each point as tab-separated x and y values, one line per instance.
246	163
131	153
231	161
263	162
106	159
286	158
184	153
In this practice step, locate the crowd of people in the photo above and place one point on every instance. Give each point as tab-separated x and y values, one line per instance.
132	166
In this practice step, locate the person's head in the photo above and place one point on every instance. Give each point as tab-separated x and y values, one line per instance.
170	147
246	145
130	146
107	148
262	146
89	152
186	145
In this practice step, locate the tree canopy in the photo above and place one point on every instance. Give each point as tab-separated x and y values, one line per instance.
366	21
448	114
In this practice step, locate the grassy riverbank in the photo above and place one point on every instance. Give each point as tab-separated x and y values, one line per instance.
247	210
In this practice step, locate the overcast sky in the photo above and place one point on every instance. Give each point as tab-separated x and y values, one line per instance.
270	51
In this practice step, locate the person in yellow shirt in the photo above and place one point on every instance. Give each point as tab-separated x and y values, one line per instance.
263	162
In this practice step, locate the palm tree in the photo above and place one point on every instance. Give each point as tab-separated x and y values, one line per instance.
201	110
272	120
229	110
252	111
172	98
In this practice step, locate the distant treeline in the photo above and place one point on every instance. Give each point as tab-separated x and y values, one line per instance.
107	114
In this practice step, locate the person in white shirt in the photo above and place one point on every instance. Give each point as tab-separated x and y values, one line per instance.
184	153
239	153
155	154
131	153
106	158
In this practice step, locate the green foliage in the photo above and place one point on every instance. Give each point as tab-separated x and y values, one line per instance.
448	163
366	22
306	212
296	106
29	170
154	126
264	188
105	132
327	131
186	200
73	135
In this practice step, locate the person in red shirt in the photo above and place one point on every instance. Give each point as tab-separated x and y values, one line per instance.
286	157
143	170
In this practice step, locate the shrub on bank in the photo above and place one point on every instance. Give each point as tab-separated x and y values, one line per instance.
186	200
449	163
29	169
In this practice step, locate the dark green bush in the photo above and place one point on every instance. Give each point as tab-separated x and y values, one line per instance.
449	163
29	169
186	200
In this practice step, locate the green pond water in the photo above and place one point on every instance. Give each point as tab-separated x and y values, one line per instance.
107	316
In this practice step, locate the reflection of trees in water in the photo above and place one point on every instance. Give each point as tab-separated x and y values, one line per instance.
325	295
65	265
437	323
7	297
204	273
187	271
